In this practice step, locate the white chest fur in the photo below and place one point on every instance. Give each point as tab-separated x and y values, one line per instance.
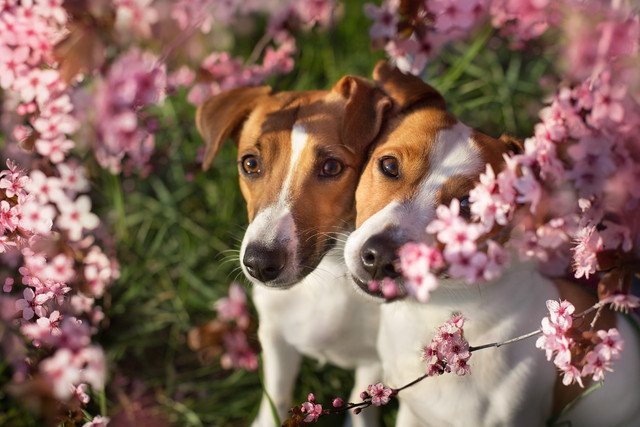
322	317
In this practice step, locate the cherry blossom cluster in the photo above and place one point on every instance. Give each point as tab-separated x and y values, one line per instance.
223	71
577	354
587	137
413	32
48	313
448	350
135	80
462	254
310	411
238	352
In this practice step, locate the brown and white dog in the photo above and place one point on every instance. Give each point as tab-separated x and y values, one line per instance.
425	157
300	155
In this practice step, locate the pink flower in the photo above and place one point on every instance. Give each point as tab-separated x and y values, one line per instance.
45	188
492	198
76	216
80	393
596	365
380	394
389	288
589	243
36	85
9	216
13	181
72	177
454	14
337	402
560	313
238	352
136	15
97	421
234	307
448	350
12	64
416	262
31	304
622	302
62	373
611	344
570	375
312	410
385	19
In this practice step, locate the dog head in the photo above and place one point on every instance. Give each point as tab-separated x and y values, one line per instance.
424	157
299	158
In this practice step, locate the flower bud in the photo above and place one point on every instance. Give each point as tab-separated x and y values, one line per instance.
338	402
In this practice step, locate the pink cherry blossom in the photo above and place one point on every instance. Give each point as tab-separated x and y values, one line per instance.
312	411
62	373
97	421
76	216
380	394
589	243
448	350
238	352
234	307
622	302
385	19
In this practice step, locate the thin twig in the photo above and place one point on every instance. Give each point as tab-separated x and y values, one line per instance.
511	341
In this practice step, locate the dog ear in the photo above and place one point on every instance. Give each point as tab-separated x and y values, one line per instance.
406	90
220	116
514	145
364	111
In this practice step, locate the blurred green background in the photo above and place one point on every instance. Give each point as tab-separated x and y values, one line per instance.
177	231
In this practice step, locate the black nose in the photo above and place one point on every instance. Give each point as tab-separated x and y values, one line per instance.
379	256
263	263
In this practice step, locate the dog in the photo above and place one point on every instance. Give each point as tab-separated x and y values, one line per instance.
425	157
300	155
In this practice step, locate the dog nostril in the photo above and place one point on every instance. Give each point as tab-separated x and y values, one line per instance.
264	264
390	271
369	257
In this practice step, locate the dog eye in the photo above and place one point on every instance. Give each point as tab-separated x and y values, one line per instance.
465	207
250	165
331	168
389	166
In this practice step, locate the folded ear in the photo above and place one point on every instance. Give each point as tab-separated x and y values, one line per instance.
406	90
220	116
364	111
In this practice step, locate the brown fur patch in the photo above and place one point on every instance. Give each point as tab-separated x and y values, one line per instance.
409	138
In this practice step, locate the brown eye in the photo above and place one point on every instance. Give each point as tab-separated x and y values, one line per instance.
250	165
465	207
331	168
389	166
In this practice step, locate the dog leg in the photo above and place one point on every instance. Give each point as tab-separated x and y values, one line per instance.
280	366
365	375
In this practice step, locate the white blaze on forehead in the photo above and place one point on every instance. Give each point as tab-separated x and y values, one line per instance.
454	153
299	138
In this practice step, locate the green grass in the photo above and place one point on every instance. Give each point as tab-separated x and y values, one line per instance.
177	229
